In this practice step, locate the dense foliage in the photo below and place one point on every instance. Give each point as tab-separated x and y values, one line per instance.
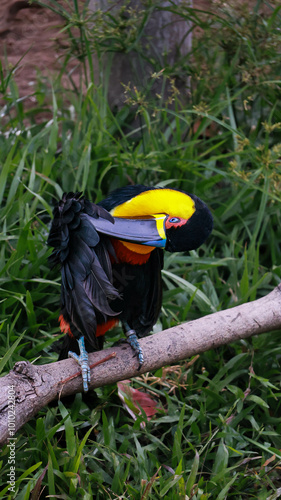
218	431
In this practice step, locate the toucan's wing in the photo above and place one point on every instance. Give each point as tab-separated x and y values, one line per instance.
144	231
84	258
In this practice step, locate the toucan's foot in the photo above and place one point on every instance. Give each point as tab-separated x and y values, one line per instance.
133	340
82	360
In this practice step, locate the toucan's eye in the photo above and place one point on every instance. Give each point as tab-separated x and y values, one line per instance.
175	222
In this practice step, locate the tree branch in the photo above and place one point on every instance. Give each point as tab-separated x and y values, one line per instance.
29	388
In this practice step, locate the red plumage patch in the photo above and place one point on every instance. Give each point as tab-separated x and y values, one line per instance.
102	329
65	326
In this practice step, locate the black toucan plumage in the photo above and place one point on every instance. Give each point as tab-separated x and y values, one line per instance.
111	256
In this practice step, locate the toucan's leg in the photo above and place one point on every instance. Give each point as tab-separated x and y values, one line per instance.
82	360
132	339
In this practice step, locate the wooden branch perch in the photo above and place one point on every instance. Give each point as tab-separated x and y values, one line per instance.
34	387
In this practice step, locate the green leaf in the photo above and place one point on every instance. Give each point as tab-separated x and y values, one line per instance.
200	298
69	430
259	401
10	351
225	490
244	284
30	310
193	473
221	459
169	484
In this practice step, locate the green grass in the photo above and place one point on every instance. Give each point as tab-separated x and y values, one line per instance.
217	434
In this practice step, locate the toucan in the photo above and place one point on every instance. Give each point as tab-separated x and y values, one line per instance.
111	255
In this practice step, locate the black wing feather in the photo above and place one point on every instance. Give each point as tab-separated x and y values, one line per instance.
84	258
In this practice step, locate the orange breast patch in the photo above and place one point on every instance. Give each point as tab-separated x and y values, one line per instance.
131	255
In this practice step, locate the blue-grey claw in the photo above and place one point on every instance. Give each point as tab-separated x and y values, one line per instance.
82	360
132	339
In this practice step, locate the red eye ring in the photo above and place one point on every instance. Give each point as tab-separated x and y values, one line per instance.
174	222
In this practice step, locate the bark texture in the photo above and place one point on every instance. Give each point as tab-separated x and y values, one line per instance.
36	386
162	38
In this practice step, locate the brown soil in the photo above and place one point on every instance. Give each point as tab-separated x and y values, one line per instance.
30	33
30	39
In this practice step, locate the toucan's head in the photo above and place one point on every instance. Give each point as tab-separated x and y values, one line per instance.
159	217
188	234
